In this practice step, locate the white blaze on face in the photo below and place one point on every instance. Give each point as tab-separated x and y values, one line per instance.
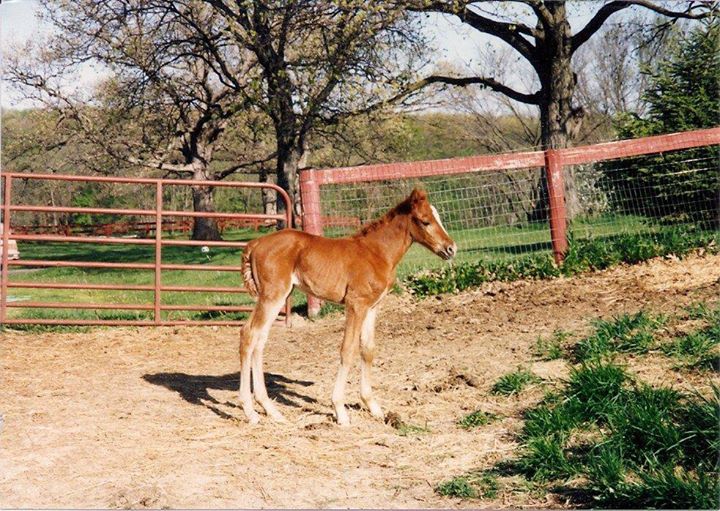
437	219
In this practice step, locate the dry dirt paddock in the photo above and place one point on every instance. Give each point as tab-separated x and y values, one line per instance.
149	417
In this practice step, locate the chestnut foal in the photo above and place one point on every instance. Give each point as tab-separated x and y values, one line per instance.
357	271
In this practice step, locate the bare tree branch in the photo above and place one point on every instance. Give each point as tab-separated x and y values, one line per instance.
611	8
222	174
507	32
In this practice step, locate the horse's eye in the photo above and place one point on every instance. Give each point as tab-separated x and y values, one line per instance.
425	223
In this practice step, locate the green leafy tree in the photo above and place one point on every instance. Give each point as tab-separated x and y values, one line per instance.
682	95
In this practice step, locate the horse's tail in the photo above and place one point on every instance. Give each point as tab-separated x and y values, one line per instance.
248	271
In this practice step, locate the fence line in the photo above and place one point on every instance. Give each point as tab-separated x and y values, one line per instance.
502	184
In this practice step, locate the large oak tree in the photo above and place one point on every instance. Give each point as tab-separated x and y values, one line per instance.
539	32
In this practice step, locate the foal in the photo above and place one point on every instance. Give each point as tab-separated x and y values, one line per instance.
357	271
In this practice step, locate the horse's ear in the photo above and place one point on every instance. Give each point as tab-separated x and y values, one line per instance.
418	195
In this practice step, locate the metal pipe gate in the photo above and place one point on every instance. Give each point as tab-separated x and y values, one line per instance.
157	288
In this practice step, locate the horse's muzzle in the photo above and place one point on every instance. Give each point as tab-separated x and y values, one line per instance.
448	252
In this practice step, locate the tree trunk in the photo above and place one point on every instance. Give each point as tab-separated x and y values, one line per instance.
290	159
269	198
557	88
204	229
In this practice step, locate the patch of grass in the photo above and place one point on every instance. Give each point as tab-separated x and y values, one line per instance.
457	487
552	420
597	387
553	347
515	382
699	421
644	428
411	429
701	310
329	308
631	445
472	485
476	419
628	333
696	349
544	458
665	487
583	255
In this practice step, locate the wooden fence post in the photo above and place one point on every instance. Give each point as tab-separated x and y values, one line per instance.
312	221
556	196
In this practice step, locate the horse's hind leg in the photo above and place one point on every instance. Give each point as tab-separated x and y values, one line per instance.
273	308
254	335
367	353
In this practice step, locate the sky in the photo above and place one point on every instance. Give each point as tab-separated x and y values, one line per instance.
454	43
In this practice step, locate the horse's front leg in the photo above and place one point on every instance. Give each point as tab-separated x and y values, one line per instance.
354	318
367	353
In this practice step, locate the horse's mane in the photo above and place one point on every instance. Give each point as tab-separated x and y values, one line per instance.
403	208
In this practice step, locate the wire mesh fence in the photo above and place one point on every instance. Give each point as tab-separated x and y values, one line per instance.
490	214
503	213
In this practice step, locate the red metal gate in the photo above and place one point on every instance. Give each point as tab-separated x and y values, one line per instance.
157	288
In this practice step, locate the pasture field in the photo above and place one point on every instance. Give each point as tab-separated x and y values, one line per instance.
130	417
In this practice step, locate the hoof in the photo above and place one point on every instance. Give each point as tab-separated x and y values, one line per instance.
376	411
343	419
271	411
252	417
277	417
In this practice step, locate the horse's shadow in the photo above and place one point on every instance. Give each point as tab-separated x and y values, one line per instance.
195	389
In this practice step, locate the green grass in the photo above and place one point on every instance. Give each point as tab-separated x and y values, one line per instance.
476	419
474	485
627	333
515	382
632	445
583	255
553	347
606	439
411	429
642	445
703	311
698	349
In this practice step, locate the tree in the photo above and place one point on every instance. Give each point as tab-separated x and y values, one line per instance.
320	62
302	64
165	107
546	42
682	94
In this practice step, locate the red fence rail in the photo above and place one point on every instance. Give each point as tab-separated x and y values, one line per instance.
553	161
157	288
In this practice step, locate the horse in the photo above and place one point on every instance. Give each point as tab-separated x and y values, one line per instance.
357	271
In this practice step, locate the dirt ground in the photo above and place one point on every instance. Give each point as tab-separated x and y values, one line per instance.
149	418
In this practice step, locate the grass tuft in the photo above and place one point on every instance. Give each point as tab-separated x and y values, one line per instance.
515	382
631	444
472	485
598	388
628	333
552	348
476	419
